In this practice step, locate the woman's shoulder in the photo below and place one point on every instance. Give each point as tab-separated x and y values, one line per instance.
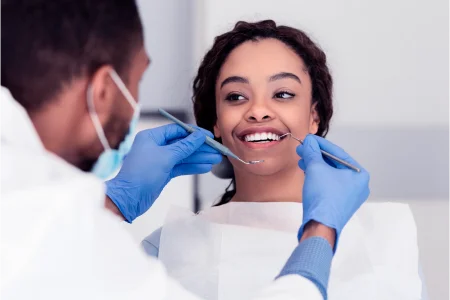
381	239
388	229
388	213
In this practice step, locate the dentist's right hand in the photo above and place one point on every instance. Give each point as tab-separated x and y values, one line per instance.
157	156
332	193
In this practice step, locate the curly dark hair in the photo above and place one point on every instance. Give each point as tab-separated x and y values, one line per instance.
314	58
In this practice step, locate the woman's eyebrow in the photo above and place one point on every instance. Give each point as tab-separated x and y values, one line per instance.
284	75
234	79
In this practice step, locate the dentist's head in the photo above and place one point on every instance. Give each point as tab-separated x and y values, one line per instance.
73	65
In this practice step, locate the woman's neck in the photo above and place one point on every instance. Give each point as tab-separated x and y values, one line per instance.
284	186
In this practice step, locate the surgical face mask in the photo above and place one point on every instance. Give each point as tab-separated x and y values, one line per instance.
111	159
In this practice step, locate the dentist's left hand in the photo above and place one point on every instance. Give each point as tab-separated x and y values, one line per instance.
157	156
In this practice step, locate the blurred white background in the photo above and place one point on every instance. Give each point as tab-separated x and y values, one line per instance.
389	60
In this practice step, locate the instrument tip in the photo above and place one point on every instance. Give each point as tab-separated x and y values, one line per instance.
252	162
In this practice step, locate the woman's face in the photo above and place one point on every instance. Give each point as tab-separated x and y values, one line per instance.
263	91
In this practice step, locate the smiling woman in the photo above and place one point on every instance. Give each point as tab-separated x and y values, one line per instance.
257	83
264	79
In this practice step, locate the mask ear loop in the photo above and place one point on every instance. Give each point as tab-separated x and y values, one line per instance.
90	100
116	78
95	120
126	92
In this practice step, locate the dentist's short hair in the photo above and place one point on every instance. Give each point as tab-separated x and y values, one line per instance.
45	44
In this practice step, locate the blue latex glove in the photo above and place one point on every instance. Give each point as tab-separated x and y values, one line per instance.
157	156
332	193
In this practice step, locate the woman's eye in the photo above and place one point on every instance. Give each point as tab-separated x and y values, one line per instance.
284	95
234	97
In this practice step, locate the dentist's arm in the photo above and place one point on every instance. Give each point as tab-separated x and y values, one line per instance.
331	195
157	156
315	229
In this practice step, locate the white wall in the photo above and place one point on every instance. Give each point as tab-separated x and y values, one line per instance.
168	39
389	58
389	61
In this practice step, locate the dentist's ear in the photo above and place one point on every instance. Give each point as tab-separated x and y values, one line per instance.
101	91
104	92
314	119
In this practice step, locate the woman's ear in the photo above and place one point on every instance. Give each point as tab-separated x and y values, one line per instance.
216	131
314	119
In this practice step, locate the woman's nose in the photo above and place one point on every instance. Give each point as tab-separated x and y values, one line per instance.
259	113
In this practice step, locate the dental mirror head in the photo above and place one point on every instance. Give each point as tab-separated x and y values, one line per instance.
251	162
209	141
232	155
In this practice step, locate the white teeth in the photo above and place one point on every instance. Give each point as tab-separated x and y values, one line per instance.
261	137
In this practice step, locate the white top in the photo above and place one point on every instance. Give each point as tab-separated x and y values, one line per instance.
57	240
377	255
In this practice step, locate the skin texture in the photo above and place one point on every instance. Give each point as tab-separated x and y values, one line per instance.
315	229
261	97
65	126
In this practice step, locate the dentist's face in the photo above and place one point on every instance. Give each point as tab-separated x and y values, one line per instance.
112	108
263	91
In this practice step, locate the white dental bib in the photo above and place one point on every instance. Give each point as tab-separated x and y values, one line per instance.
233	251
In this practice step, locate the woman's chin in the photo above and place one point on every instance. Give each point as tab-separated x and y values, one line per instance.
267	168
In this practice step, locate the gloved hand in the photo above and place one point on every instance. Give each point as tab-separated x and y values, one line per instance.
332	193
157	156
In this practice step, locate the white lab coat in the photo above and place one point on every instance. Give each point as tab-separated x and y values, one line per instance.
58	241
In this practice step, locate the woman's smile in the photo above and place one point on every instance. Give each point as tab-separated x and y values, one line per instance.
260	137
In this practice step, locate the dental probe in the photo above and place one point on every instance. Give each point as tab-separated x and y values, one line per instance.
209	141
331	156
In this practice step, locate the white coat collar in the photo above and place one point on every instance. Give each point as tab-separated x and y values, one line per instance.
16	125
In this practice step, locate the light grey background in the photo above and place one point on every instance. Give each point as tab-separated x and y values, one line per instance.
168	39
404	164
389	60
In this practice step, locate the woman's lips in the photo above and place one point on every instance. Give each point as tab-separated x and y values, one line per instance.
260	145
259	129
260	137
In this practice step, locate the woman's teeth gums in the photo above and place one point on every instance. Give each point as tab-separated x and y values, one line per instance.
263	137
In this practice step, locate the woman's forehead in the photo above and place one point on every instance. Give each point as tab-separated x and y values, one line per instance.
262	58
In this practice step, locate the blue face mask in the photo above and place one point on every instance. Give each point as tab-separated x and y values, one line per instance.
111	159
